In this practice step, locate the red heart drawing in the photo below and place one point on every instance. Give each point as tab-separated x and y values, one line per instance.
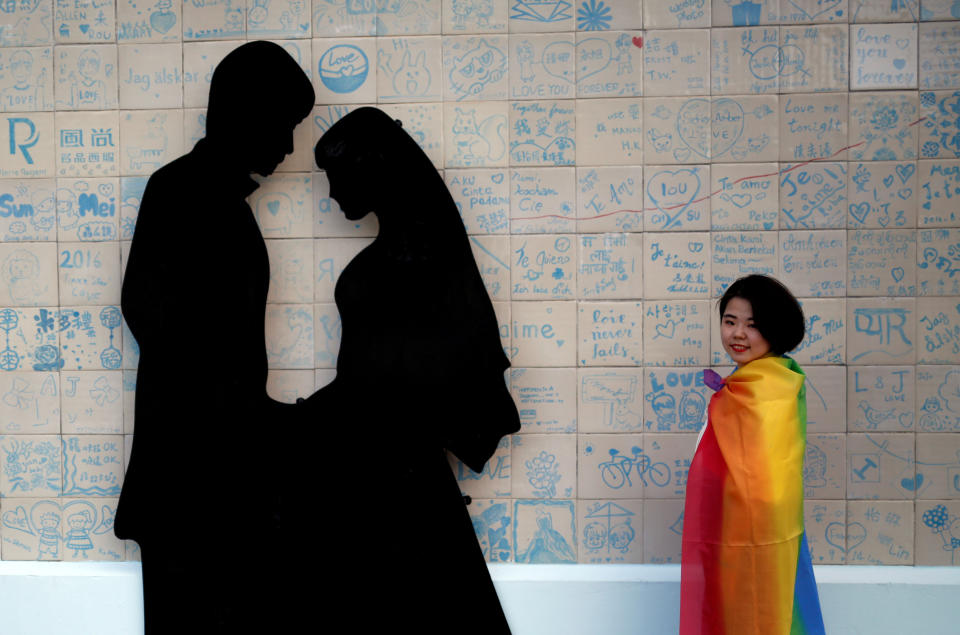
638	42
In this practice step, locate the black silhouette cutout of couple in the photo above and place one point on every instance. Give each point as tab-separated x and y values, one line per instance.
255	516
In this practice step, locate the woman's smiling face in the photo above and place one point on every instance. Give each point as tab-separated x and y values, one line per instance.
740	338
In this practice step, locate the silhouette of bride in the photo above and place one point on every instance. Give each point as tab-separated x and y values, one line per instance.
420	370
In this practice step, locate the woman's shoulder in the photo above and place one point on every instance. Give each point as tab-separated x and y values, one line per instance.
771	375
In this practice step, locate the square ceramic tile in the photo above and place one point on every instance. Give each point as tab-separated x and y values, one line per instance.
493	480
87	209
544	66
882	398
409	69
475	67
542	200
938	466
610	400
85	21
880	330
287	386
610	334
826	332
29	24
333	18
87	531
266	19
610	199
938	48
677	199
744	196
492	254
675	399
813	195
939	132
290	335
31	403
882	125
881	262
677	14
28	210
669	463
823	466
33	466
879	11
90	337
678	265
475	134
545	531
937	533
880	532
326	335
810	11
745	13
677	333
543	267
744	129
599	16
937	262
938	408
881	465
546	399
417	18
473	16
737	254
882	195
883	56
817	59
813	263
938	182
612	466
676	62
423	122
32	138
938	332
677	130
199	61
483	198
609	64
542	133
344	71
543	334
533	17
28	274
826	399
283	205
610	266
611	531
30	340
492	523
662	531
28	84
745	60
92	465
292	270
220	21
87	144
30	530
161	22
825	525
151	76
89	273
544	466
609	132
149	140
92	402
813	127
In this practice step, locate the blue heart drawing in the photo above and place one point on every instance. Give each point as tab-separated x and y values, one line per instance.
497	178
667	330
84	28
740	200
888	180
905	171
598	59
912	484
694	124
856	534
860	211
897	273
836	536
768	225
163	21
899	63
672	192
904	193
556	56
273	207
726	125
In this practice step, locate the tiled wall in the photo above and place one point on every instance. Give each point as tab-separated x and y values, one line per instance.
617	163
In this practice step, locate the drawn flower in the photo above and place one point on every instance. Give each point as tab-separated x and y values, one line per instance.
593	16
930	149
885	118
927	99
543	474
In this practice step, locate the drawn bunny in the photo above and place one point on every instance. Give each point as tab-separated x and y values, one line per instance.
412	79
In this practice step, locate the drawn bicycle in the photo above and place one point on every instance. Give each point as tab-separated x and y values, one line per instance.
616	472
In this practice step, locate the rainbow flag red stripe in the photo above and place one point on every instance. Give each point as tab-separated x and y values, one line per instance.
746	568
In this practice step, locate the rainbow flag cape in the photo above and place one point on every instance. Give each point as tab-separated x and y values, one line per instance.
746	567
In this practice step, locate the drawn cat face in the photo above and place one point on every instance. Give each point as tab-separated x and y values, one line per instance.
477	67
